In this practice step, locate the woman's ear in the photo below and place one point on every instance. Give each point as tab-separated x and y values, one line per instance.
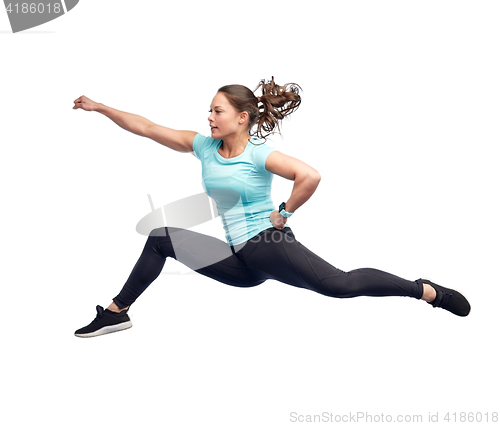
243	117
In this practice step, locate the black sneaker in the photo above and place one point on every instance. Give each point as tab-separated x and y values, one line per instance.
448	299
105	322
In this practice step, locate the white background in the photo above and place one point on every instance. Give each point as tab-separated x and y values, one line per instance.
400	116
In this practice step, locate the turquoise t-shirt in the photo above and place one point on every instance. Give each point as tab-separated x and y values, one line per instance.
240	186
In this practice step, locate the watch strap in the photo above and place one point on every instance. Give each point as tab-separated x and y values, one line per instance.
283	212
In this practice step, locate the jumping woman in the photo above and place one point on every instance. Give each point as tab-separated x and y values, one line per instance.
237	170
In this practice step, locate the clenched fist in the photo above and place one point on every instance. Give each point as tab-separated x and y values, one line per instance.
277	219
85	103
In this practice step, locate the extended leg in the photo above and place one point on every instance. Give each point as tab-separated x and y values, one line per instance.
289	261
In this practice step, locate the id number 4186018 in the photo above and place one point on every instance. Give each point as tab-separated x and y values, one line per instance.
50	7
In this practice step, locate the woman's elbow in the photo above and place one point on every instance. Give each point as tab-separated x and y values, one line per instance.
315	176
311	178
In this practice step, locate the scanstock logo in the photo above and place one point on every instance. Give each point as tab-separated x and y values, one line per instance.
26	14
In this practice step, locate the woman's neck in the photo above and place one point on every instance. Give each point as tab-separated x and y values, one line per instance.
234	146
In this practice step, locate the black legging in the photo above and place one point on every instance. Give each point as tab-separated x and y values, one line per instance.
272	254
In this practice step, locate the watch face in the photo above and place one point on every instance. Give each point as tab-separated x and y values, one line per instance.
282	206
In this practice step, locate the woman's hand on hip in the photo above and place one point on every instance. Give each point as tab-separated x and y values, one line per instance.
277	219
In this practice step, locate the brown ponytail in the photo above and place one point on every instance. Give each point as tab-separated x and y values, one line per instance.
276	102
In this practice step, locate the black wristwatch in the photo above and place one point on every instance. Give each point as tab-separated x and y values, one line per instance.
283	212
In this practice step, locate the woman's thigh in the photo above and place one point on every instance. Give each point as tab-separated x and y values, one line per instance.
208	256
277	253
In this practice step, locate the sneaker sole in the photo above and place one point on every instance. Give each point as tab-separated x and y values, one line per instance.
107	330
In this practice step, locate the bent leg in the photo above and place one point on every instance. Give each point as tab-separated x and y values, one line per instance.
206	255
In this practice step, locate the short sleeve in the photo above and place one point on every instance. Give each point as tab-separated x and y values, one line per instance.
198	144
260	155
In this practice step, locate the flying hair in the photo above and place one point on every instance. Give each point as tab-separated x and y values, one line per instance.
267	110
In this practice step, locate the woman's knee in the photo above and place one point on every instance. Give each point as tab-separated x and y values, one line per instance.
160	242
335	286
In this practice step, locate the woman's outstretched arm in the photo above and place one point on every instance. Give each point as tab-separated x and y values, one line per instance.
178	140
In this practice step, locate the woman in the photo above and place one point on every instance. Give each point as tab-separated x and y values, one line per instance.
237	172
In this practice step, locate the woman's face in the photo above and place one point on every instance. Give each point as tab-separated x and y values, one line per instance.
224	119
